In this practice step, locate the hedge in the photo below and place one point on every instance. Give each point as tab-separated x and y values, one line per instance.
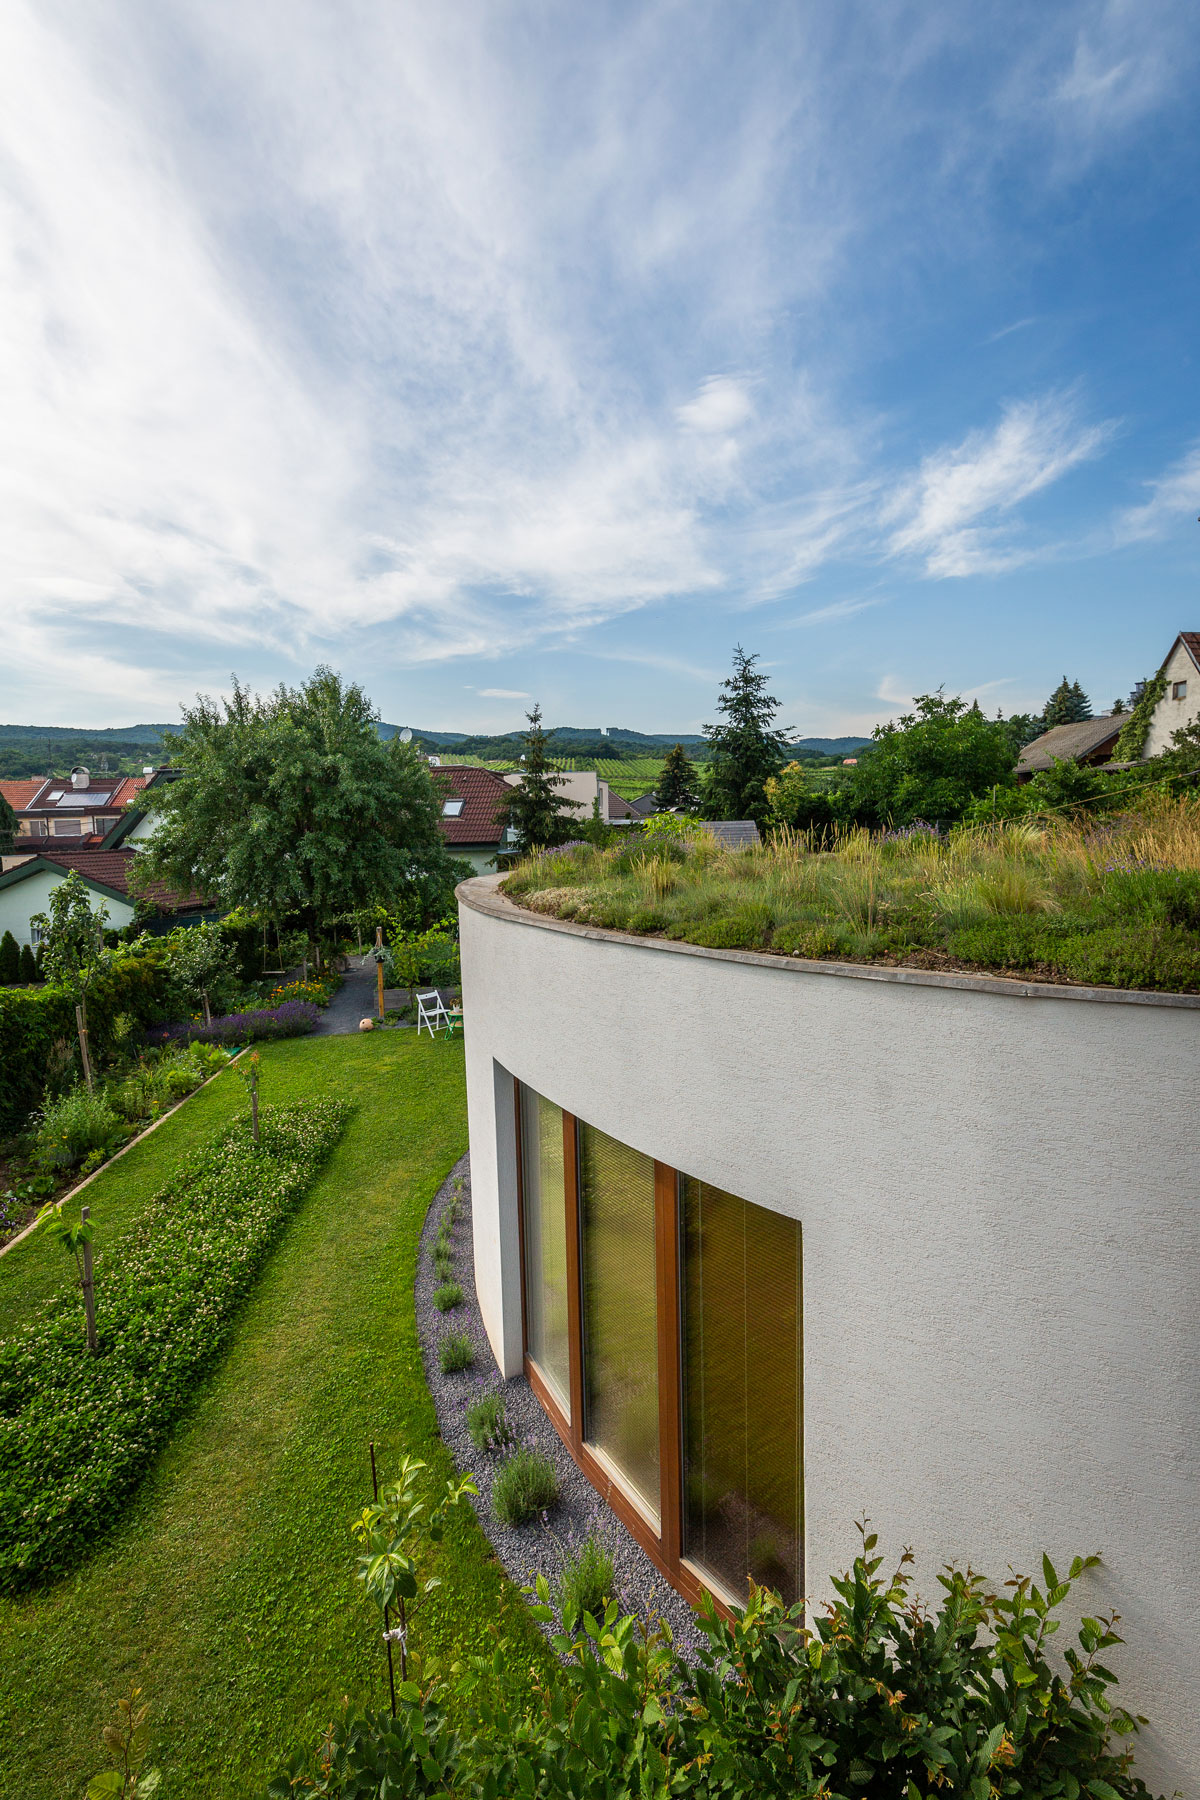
33	1020
77	1431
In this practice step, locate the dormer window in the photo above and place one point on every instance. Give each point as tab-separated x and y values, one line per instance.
1179	690
452	809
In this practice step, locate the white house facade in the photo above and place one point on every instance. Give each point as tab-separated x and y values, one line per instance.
23	898
1180	703
778	1243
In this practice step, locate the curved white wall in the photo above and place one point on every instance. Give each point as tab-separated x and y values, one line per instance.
998	1190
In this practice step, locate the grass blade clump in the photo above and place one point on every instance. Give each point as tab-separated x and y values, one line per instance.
447	1296
488	1423
526	1486
77	1431
455	1352
586	1583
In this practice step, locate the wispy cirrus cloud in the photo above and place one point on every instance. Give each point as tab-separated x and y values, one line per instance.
953	513
1174	500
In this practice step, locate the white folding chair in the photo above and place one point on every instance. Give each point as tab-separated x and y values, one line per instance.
430	1012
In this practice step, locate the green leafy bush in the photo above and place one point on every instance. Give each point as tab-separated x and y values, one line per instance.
448	1296
77	1431
488	1423
883	1698
455	1352
70	1127
34	1019
585	1584
525	1486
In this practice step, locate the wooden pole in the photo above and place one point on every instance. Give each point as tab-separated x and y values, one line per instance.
81	1027
207	1009
379	967
386	1625
254	1095
89	1296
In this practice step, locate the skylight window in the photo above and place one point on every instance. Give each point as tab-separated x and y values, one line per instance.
452	809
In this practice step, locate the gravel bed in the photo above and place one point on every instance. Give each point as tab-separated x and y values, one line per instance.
537	1549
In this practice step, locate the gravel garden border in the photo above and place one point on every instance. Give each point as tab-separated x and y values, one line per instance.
540	1548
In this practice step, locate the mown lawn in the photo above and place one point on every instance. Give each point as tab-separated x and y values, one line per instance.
228	1590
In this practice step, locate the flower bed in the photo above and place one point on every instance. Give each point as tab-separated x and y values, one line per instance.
77	1431
295	1018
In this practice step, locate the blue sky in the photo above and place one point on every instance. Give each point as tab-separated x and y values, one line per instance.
500	350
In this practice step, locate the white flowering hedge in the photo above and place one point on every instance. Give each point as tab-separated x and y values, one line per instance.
77	1431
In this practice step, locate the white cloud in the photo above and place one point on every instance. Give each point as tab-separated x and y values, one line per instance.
893	692
951	511
721	405
1174	499
837	609
505	694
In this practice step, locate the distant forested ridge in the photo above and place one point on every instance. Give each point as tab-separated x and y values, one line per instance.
27	750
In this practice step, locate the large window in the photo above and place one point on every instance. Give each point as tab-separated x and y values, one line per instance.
741	1376
663	1334
545	1224
620	1311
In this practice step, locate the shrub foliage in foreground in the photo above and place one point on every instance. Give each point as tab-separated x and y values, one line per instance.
76	1431
884	1700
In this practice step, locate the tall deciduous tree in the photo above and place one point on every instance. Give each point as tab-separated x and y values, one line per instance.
931	763
536	808
8	825
747	748
677	786
294	805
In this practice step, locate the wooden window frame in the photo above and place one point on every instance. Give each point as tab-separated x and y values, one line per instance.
663	1546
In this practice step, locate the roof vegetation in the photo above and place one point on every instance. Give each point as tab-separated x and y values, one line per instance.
1112	901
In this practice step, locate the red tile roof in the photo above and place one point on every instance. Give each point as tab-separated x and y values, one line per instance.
111	869
481	790
20	793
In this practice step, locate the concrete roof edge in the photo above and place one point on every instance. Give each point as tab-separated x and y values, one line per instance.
482	895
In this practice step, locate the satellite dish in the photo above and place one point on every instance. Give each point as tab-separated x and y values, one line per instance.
406	736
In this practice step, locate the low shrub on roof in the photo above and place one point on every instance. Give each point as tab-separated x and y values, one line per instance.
78	1430
1112	902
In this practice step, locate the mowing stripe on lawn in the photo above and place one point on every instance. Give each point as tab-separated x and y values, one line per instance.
228	1591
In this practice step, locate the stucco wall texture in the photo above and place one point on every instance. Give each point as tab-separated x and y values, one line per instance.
1001	1240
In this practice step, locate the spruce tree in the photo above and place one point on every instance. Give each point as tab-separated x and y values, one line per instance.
29	971
1067	705
747	749
677	783
535	808
10	961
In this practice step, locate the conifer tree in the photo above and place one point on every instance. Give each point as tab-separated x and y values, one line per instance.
677	783
8	825
747	749
10	961
535	808
29	971
1067	705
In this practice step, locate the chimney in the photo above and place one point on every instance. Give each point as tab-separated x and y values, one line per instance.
80	779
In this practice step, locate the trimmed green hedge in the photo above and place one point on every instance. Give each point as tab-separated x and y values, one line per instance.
33	1020
77	1431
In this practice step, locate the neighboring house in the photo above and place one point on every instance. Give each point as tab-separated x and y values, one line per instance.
586	787
1087	741
469	823
1180	704
644	806
81	807
25	890
133	830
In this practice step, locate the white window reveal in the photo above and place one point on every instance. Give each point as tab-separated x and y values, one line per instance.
1179	690
453	809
